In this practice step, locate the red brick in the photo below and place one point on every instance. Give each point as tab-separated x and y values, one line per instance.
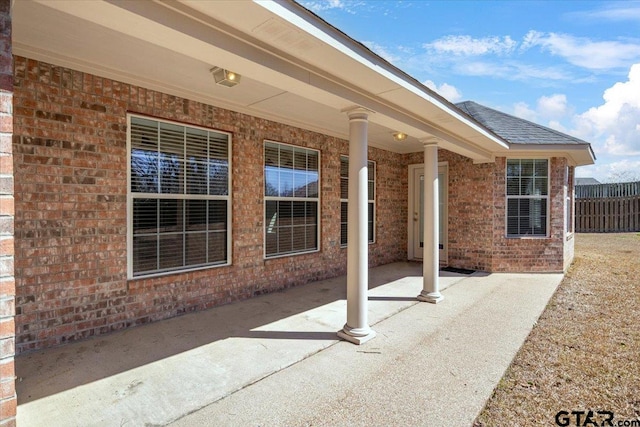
7	347
7	367
7	388
7	287
8	408
7	310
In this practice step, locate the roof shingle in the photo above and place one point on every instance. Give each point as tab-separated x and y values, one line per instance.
515	130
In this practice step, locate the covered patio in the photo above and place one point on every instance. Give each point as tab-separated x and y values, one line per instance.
160	372
143	189
292	68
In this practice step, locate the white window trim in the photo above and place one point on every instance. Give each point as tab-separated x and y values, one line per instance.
130	198
265	198
369	201
569	199
547	197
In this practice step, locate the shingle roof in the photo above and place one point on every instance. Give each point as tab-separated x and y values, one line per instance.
513	129
587	181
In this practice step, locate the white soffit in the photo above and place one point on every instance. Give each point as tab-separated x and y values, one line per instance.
144	61
313	67
300	40
578	154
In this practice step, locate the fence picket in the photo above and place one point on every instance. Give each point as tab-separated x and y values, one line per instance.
602	208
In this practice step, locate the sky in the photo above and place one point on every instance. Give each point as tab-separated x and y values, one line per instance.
573	66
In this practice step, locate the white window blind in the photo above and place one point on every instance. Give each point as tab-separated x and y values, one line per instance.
527	197
291	182
179	197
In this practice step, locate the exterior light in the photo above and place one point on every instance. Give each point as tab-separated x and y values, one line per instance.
225	77
399	136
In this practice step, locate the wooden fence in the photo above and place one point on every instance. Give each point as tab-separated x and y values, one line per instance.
608	208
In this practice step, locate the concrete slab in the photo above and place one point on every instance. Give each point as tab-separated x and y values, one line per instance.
155	374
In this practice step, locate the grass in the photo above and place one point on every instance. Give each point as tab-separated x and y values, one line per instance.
584	352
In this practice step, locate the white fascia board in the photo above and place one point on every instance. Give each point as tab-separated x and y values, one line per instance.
348	47
578	154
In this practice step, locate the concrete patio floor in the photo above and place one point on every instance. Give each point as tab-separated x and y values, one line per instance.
276	359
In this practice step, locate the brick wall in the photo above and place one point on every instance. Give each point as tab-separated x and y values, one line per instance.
530	254
391	208
476	219
8	400
70	172
470	210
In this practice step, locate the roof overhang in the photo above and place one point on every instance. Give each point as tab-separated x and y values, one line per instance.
577	154
296	68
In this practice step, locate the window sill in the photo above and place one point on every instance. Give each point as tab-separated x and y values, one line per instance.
527	237
167	273
268	258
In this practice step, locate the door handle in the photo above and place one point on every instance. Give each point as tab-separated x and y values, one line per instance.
415	216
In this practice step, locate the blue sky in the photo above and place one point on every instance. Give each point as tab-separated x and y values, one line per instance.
569	65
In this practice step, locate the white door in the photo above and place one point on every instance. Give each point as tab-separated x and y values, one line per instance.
416	202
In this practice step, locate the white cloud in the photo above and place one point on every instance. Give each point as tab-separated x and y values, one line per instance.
532	38
522	110
511	70
450	92
319	6
548	108
615	123
383	51
555	124
468	46
616	12
554	106
615	171
584	52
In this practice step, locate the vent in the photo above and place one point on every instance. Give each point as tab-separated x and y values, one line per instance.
285	36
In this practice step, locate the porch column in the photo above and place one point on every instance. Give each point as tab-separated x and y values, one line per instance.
430	262
357	329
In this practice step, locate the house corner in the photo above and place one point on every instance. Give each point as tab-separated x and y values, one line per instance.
8	399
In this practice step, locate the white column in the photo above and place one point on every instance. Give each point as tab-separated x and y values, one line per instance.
431	263
357	329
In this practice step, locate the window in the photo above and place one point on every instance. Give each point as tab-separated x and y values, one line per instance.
178	199
568	200
291	181
527	197
344	196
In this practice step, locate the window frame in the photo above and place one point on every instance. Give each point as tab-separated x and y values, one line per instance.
369	201
317	200
546	197
569	197
131	196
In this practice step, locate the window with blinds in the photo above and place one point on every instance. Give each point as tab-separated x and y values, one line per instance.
291	182
344	198
527	197
179	204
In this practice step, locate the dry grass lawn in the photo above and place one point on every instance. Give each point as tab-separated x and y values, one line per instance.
584	352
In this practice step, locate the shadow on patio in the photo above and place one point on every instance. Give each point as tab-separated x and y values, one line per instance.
206	355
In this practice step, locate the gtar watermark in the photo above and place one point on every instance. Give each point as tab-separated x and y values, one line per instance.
592	418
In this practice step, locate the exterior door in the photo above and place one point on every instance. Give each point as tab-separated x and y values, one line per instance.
417	210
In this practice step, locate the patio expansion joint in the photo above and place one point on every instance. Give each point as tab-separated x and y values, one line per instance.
255	381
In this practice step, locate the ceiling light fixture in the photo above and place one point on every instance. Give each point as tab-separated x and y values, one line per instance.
399	136
225	77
